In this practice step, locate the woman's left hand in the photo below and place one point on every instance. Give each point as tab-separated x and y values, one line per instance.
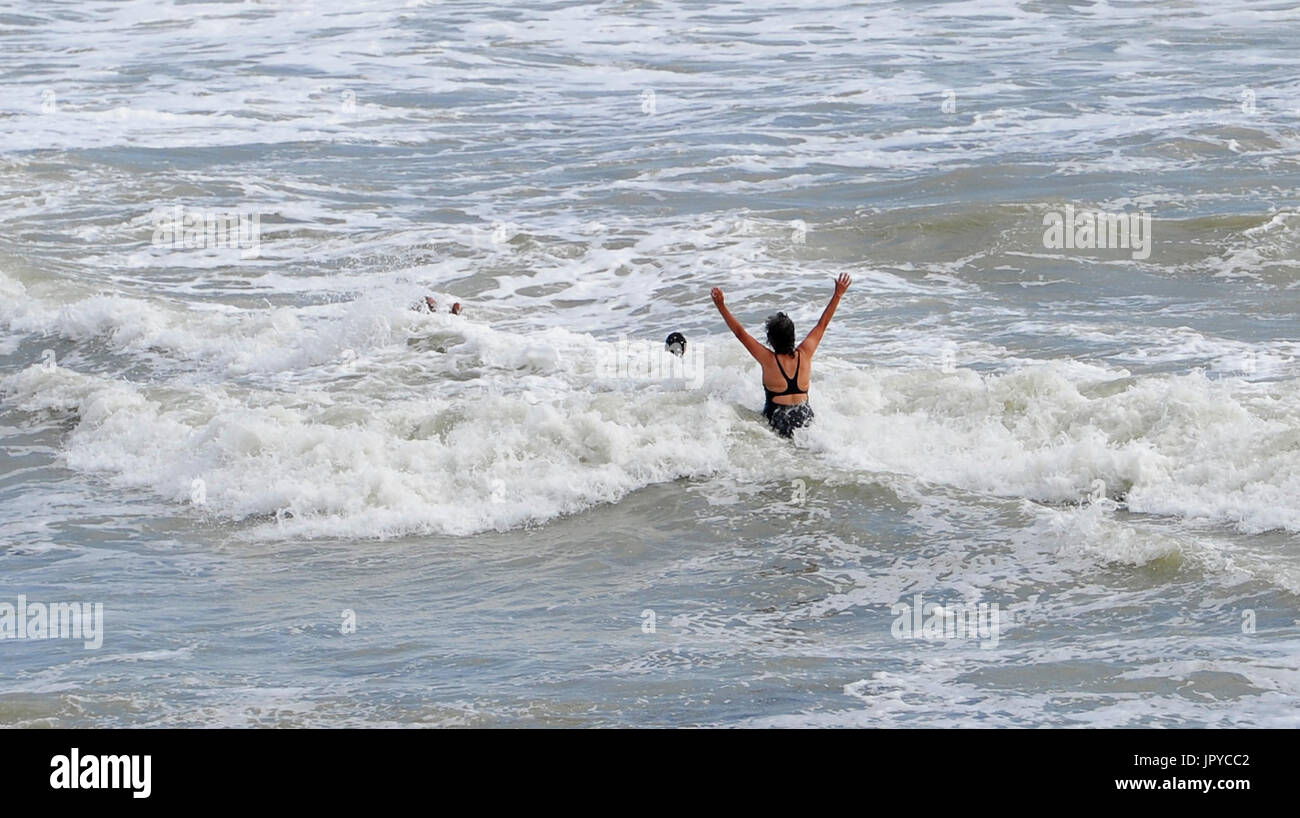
717	297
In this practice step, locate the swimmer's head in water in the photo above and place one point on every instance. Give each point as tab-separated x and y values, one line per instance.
780	334
676	344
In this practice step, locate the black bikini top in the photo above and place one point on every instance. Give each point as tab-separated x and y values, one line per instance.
791	384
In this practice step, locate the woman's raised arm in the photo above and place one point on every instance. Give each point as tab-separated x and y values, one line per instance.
814	338
756	349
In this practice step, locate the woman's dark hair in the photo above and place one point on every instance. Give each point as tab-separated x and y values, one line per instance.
780	334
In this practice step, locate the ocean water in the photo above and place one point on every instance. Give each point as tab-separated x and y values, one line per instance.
302	503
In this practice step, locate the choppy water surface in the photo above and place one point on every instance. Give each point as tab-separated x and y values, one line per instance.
230	447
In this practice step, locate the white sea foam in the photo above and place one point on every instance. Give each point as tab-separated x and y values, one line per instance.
500	429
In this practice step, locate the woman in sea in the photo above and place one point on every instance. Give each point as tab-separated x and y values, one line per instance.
786	407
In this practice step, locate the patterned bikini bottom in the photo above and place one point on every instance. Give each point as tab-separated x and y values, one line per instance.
785	419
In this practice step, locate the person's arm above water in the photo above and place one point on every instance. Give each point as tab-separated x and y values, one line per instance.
814	337
756	349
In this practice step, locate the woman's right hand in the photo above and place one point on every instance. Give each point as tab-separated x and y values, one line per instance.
716	292
842	283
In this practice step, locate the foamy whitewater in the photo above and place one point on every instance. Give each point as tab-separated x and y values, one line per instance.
302	503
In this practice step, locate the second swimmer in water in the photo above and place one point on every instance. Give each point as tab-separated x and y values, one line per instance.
428	304
786	407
